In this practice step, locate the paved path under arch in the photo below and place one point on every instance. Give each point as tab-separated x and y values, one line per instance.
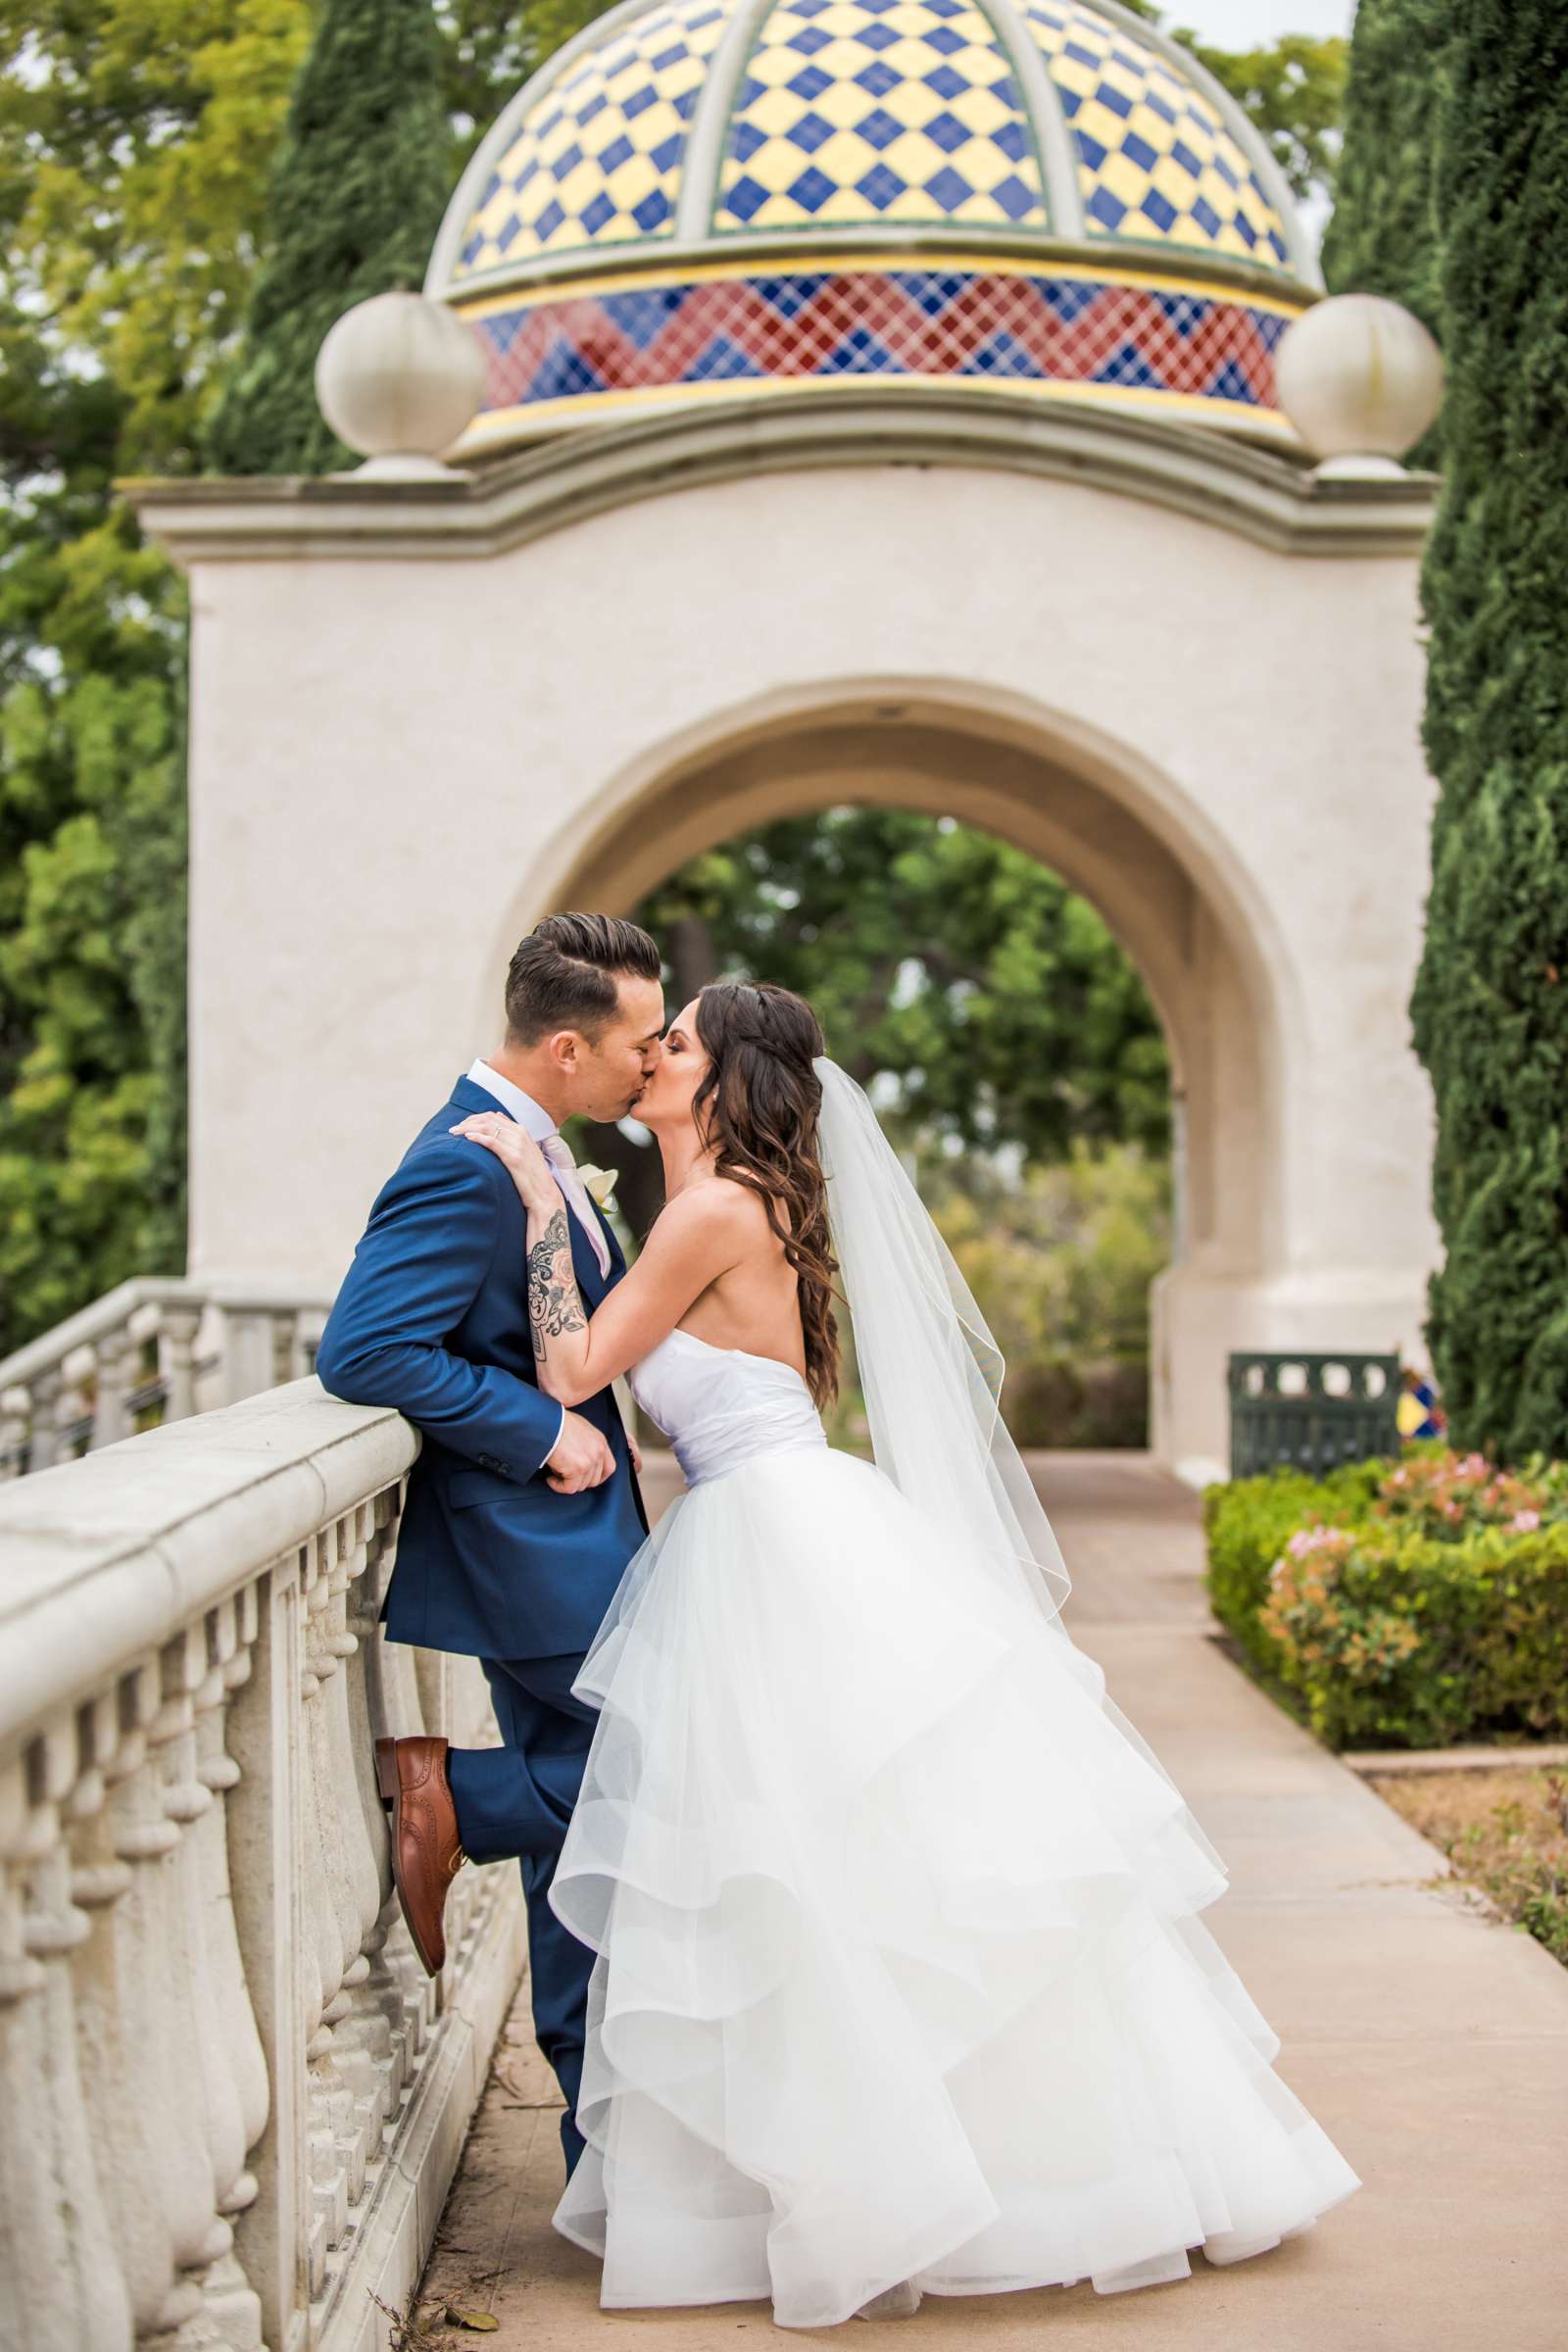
1431	2043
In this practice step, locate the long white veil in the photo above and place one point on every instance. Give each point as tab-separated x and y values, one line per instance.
930	1370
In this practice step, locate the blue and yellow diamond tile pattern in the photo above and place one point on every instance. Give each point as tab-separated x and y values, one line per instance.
854	111
598	161
1155	161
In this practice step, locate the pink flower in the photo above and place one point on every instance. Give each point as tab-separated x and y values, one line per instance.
1525	1523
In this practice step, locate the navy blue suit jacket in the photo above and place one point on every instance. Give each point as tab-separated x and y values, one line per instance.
433	1319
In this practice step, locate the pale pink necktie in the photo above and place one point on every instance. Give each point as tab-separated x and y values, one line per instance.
563	1167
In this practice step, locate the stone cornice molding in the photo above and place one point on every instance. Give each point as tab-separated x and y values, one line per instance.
1267	498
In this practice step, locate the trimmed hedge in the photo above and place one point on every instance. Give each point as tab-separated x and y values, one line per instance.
1410	1605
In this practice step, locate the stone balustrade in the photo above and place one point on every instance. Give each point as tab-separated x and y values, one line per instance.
232	2100
153	1350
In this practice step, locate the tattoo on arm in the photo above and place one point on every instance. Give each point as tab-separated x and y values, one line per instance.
554	1303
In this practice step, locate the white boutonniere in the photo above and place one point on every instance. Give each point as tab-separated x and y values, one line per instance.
598	1184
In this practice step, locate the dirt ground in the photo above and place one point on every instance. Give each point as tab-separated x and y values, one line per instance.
1505	1834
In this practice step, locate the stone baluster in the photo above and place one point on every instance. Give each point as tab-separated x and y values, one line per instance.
395	1682
393	2008
116	1376
271	1862
469	1720
375	1537
281	1323
432	1676
304	1329
221	2030
15	1422
155	1995
231	2312
61	2285
323	1930
344	2086
211	2113
47	1391
432	1671
118	1837
233	1629
345	1551
72	1407
331	1927
248	1353
364	2060
176	1360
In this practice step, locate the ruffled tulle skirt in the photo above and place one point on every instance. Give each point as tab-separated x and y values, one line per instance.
900	1974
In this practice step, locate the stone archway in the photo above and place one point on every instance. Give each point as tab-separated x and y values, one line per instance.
1095	814
1180	674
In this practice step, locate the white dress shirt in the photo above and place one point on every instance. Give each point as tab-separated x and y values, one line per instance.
530	1115
524	1110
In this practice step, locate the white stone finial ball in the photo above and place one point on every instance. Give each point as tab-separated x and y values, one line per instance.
397	378
1361	379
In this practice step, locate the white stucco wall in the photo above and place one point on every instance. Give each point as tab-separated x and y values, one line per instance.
396	763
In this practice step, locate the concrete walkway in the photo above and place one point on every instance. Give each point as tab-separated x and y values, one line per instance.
1430	2043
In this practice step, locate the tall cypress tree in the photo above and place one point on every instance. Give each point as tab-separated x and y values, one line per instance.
356	196
1383	238
1490	1004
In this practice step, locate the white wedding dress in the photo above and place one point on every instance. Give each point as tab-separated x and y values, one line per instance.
900	1974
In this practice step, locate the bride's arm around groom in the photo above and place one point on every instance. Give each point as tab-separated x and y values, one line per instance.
428	1251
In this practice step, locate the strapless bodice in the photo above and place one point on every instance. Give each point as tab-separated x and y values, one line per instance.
721	1407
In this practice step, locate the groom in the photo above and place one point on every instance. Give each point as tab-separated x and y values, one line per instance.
521	1516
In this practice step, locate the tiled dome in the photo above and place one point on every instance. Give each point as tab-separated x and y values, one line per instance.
676	143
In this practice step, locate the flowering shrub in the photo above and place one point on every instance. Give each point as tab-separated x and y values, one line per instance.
1318	1625
1409	1604
1445	1493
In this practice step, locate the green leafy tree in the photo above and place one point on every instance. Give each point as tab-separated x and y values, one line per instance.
989	1000
1059	1258
136	147
138	141
948	961
1293	90
1383	238
1490	1004
129	148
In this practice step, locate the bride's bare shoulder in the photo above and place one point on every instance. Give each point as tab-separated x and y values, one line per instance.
711	1201
720	1206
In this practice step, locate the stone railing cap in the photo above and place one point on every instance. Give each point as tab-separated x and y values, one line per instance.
103	1559
117	1306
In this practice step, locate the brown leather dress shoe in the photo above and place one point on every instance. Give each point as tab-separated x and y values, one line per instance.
427	1856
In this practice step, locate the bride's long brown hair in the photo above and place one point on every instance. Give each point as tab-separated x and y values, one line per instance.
759	1099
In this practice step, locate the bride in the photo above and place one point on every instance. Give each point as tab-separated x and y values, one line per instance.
901	1985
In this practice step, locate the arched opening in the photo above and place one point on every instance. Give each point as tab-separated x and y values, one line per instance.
1087	810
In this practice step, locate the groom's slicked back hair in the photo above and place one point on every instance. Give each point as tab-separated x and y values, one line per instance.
564	974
